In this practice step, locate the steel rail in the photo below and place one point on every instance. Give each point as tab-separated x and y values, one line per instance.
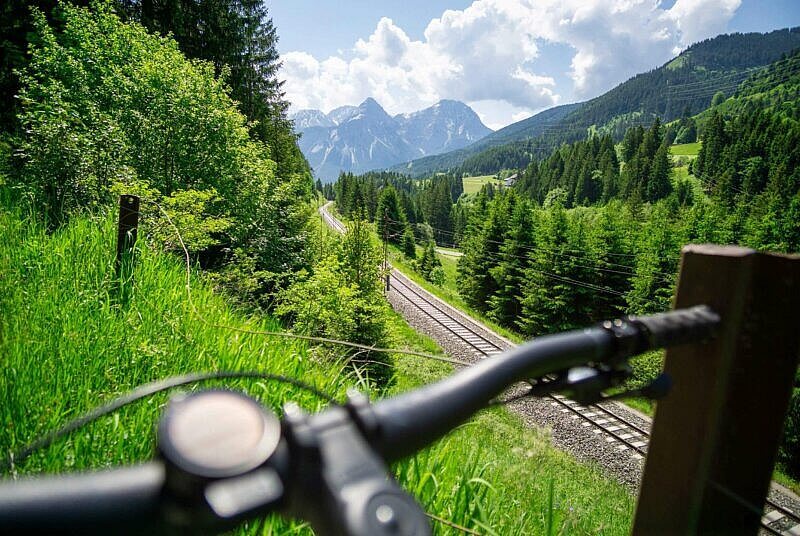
561	401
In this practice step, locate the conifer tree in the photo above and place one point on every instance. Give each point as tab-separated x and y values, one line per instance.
659	184
389	216
476	284
409	246
505	305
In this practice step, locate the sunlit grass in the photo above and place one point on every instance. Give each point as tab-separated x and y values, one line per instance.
66	345
685	149
473	185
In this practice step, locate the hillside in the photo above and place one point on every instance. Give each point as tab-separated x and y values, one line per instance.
775	88
684	85
531	127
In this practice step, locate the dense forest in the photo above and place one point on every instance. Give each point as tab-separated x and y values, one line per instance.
594	230
687	85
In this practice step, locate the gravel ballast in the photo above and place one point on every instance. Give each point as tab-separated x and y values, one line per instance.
568	431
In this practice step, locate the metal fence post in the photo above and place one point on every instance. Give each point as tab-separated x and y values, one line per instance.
715	437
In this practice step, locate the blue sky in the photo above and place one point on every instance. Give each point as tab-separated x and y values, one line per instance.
506	58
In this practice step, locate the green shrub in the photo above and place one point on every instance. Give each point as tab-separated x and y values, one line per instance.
108	108
789	453
341	298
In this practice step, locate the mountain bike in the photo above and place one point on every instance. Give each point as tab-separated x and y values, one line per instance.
223	458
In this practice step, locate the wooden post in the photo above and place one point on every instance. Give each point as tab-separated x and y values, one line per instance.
126	238
715	437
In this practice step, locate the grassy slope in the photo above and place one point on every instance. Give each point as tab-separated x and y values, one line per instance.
685	149
472	185
68	346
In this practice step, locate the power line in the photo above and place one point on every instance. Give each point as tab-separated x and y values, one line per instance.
563	253
499	257
324	340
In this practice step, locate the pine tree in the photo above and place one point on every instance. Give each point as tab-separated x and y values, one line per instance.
476	285
429	261
505	304
389	216
409	246
659	184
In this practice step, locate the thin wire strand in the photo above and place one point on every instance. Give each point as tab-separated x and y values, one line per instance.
585	284
443	521
563	253
310	338
146	391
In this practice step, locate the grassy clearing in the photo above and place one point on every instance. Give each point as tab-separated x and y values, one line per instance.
473	185
685	149
68	345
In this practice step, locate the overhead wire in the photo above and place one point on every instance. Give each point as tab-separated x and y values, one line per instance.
584	284
324	340
562	253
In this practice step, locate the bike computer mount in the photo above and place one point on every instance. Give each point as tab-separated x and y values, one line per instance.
227	458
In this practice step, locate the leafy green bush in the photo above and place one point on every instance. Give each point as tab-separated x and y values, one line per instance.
789	453
341	298
109	108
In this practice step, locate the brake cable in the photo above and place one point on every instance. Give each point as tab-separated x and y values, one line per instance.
145	391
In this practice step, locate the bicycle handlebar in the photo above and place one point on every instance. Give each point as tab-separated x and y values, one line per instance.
128	499
223	459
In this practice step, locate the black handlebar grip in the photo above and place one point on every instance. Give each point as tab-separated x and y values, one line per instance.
119	501
684	326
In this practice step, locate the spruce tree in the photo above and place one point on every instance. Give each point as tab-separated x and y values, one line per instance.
389	216
659	184
505	304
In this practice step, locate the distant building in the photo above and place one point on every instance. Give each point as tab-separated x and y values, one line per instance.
509	181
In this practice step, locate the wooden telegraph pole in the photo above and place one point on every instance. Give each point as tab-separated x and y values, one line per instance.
127	229
715	437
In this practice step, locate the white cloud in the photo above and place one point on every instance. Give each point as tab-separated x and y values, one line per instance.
488	55
699	19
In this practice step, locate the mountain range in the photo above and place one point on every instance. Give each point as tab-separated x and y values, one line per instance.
364	137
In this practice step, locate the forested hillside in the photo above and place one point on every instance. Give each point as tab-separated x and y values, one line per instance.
105	107
682	87
594	230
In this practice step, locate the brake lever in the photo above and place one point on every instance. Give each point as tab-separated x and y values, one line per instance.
655	390
340	483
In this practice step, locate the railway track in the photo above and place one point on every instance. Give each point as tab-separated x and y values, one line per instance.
629	435
601	419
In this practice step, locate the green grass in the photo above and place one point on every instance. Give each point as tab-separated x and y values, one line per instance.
67	345
685	149
501	470
787	481
473	185
681	172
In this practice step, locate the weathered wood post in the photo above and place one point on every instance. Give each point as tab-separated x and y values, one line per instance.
715	437
127	229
